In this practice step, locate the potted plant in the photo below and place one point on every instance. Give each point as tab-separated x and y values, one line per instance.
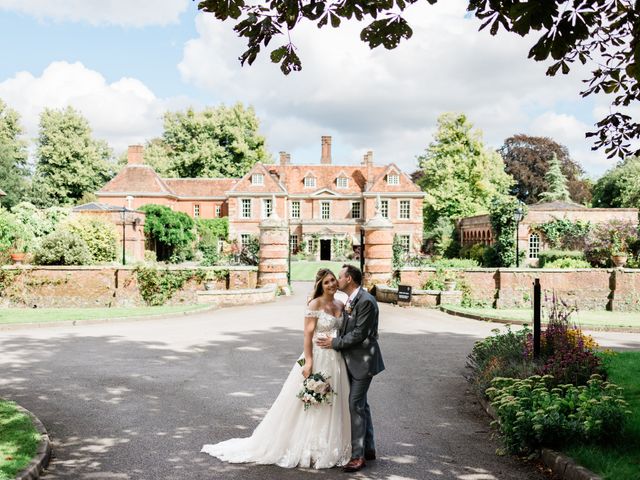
216	280
19	251
449	281
618	250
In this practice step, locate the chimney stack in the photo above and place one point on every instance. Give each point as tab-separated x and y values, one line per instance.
135	154
326	151
285	158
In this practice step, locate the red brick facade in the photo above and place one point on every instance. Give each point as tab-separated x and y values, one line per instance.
323	203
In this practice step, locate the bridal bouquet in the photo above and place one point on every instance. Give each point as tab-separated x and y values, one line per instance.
316	390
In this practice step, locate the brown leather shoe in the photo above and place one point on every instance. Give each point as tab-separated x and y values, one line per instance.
354	465
369	454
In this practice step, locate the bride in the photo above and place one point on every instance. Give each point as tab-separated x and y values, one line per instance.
290	436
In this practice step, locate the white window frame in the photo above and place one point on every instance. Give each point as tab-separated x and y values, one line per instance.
395	177
309	182
245	238
534	246
257	179
267	207
293	243
359	204
218	210
295	209
408	211
322	204
242	209
405	238
384	208
342	182
196	210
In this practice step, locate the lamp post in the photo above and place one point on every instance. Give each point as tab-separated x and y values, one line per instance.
518	215
123	214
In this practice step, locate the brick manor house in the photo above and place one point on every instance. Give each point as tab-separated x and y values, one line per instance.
326	204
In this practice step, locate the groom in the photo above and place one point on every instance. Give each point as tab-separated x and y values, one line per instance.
358	342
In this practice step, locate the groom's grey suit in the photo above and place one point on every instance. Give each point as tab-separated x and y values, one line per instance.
358	342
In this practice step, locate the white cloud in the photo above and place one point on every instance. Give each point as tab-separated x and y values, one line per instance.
135	13
390	100
124	112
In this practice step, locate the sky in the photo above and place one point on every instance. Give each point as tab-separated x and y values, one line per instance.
122	64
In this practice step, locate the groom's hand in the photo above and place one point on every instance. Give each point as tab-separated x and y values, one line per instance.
324	342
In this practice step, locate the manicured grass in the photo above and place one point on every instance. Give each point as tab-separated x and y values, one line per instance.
44	315
18	440
303	271
596	318
621	459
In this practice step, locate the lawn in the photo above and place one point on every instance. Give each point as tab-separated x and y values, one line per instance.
621	459
44	315
303	271
18	440
585	318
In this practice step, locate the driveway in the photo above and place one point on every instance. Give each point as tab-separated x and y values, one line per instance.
136	400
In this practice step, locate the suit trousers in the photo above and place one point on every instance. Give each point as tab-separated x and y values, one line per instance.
361	424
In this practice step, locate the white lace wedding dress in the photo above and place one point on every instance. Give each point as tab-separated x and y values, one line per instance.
289	436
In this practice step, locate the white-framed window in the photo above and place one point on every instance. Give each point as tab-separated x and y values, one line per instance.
342	182
196	210
384	208
267	207
405	209
295	209
534	245
245	238
218	210
393	179
325	210
293	243
309	182
245	208
405	241
355	210
257	179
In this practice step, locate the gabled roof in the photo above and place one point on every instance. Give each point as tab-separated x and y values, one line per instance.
135	180
96	207
380	184
293	177
271	182
323	191
200	187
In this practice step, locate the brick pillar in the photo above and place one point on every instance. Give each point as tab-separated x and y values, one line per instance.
274	252
378	251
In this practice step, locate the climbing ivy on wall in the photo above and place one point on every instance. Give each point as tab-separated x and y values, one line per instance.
504	228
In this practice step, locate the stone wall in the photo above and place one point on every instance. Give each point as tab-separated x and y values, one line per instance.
593	289
42	287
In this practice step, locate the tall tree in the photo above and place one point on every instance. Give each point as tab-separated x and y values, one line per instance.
527	160
216	142
620	186
556	183
601	33
13	157
70	163
460	175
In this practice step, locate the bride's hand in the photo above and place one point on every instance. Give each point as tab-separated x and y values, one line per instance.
306	370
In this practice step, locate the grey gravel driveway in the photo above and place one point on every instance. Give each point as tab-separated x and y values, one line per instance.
136	400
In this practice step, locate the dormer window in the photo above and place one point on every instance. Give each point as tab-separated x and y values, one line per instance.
257	179
342	182
309	182
393	179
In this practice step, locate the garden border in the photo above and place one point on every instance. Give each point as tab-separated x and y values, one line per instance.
562	465
43	452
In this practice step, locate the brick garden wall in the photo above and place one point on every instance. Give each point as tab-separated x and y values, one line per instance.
44	287
593	289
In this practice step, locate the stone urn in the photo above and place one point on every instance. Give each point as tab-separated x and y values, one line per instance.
18	258
449	285
619	259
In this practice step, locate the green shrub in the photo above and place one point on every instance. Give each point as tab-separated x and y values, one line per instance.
477	252
62	248
173	232
150	256
568	263
553	255
99	234
455	263
158	286
532	413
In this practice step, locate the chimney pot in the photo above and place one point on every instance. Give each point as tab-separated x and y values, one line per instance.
284	158
135	155
325	159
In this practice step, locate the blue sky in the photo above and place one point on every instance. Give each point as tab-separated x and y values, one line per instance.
123	64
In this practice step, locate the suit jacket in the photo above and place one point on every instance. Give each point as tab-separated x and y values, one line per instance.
358	339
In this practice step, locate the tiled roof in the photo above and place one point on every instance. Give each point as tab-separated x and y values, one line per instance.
96	206
292	176
200	187
137	179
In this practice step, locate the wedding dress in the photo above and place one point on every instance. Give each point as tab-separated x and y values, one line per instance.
289	436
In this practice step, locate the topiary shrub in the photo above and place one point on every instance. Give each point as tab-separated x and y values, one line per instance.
99	234
62	248
568	263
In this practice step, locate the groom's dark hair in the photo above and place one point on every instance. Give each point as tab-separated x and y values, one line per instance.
353	272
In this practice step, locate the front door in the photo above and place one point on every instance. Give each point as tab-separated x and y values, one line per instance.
325	249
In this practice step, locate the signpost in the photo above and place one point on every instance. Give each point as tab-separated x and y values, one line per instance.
404	294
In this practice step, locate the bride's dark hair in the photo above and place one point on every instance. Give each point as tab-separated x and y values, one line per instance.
317	287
